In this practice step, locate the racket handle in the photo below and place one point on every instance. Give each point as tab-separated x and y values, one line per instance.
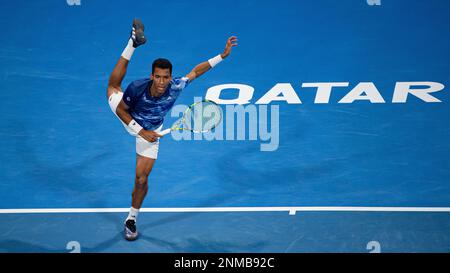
165	132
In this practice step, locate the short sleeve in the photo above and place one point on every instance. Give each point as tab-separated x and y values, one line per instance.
129	96
179	84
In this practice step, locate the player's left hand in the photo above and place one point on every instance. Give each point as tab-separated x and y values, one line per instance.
232	41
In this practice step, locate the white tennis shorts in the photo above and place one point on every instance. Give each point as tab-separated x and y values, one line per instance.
143	147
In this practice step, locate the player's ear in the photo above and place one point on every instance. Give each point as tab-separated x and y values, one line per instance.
151	76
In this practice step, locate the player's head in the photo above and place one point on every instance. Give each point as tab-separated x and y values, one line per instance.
161	74
163	64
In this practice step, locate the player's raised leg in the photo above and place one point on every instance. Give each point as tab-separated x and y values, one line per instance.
136	39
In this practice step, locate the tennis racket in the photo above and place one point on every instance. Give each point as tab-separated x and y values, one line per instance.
199	117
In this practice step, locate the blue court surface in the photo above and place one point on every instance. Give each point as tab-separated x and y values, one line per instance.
335	136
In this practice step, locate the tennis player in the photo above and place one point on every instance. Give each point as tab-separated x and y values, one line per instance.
142	107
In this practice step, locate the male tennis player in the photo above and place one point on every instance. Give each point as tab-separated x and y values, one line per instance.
142	107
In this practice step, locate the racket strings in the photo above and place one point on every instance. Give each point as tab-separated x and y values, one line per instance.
202	116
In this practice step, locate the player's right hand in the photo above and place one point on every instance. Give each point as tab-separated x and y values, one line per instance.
150	136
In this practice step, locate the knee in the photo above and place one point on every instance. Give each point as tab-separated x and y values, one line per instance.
141	180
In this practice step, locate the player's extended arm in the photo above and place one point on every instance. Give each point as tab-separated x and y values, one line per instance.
201	68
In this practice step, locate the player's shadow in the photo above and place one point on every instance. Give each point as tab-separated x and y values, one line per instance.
179	216
191	245
155	244
196	245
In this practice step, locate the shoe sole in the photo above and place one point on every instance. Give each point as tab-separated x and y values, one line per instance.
138	25
139	31
131	238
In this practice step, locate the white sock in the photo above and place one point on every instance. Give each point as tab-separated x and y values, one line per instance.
133	214
129	50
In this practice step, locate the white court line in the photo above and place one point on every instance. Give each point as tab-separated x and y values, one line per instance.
291	210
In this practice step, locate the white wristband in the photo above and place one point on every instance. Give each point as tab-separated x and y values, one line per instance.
134	126
214	61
